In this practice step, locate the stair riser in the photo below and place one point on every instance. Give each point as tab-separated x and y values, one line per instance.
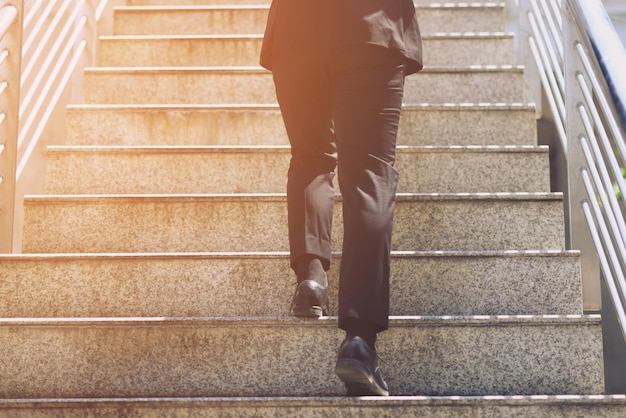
249	127
133	172
197	224
245	52
232	286
252	20
257	87
273	360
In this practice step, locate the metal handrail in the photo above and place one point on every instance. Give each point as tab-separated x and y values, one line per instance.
8	16
60	39
580	61
10	64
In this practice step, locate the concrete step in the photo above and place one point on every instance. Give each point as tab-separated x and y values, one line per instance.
262	284
220	50
251	19
253	85
218	223
537	406
163	170
502	124
192	357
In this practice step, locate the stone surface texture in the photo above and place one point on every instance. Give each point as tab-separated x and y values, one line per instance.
155	282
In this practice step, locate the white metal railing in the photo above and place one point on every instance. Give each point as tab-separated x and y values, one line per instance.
10	60
580	62
59	40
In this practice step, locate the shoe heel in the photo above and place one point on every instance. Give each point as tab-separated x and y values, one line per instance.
307	311
357	380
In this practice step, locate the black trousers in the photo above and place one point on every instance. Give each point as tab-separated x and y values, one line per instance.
341	108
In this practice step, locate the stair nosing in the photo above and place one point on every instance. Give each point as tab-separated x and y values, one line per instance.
247	36
515	106
463	5
285	254
281	197
256	69
328	321
186	8
245	149
189	8
335	401
259	36
469	35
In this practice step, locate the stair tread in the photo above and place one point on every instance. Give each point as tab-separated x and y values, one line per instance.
196	356
249	84
219	169
254	124
440	49
243	222
242	18
227	284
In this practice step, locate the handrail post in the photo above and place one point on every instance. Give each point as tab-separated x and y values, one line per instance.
525	57
11	12
579	235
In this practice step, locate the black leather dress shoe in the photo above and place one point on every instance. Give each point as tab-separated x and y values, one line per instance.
310	300
357	367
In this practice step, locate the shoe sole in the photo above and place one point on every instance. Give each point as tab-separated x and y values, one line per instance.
307	311
357	379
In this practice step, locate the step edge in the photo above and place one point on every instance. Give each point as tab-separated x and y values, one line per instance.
391	401
329	321
461	6
484	106
400	197
499	35
282	254
246	149
189	8
255	69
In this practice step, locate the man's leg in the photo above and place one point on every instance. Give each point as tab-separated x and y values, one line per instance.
304	95
367	105
368	94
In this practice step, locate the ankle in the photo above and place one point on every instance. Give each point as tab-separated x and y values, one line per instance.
358	328
310	267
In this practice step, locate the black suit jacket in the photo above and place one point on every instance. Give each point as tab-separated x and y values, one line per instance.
297	25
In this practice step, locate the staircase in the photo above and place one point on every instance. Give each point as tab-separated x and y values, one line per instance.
154	278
